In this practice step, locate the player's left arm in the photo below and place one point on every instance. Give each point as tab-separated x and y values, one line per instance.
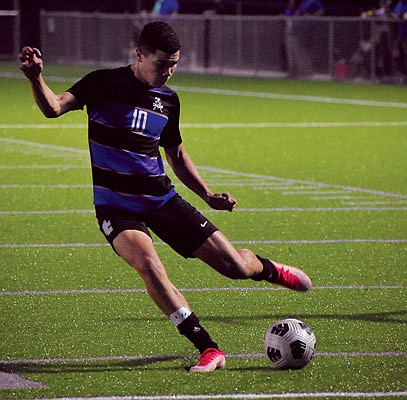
51	104
185	169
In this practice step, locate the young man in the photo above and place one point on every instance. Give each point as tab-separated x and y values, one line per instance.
131	113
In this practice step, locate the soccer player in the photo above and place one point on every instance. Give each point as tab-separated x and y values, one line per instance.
130	114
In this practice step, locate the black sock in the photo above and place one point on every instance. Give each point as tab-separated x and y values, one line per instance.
268	272
196	333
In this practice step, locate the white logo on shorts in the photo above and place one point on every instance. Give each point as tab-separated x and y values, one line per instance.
204	224
107	227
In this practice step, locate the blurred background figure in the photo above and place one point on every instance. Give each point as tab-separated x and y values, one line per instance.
400	12
381	38
291	8
310	7
216	7
290	43
306	34
165	8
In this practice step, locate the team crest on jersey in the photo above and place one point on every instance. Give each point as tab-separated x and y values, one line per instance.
157	105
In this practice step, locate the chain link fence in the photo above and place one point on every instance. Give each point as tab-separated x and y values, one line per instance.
266	46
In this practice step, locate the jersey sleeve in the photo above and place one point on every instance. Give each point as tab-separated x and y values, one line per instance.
171	135
85	88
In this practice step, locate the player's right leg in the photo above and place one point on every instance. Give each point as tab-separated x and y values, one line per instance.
284	275
221	255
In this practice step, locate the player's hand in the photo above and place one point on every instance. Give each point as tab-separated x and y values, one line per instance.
31	62
222	201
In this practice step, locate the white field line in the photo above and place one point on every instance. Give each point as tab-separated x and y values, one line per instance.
374	203
224	171
47	212
258	125
44	145
43	126
58	186
235	242
238	210
263	187
50	78
267	178
243	396
314	209
240	93
226	125
312	191
53	292
346	197
48	166
187	356
295	97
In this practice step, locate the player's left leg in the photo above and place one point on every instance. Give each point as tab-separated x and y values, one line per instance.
136	248
131	240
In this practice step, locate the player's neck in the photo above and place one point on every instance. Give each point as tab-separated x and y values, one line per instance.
137	74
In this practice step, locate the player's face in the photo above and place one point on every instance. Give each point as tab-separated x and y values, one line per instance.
156	68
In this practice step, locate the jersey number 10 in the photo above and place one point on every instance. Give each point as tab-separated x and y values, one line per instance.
139	121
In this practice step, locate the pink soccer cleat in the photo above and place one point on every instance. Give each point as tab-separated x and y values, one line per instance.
291	277
210	360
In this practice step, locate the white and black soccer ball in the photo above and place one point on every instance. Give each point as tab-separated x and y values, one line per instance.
289	344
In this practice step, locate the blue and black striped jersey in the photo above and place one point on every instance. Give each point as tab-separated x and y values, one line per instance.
127	123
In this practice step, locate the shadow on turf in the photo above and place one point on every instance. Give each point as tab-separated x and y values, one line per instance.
114	366
385	317
98	366
144	363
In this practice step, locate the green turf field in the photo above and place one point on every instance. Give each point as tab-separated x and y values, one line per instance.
319	171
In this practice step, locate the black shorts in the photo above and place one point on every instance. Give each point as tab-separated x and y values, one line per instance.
177	223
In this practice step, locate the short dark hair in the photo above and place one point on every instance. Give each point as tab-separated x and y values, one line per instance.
158	35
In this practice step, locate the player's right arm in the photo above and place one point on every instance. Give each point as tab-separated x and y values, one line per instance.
52	105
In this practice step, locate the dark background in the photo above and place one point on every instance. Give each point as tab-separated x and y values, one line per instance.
30	9
249	7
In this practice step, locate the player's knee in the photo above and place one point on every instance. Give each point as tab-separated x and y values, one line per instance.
243	267
238	268
149	268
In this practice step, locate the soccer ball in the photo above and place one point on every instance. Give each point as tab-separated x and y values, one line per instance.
289	344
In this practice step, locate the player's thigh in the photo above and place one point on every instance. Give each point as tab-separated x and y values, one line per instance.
137	249
180	225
